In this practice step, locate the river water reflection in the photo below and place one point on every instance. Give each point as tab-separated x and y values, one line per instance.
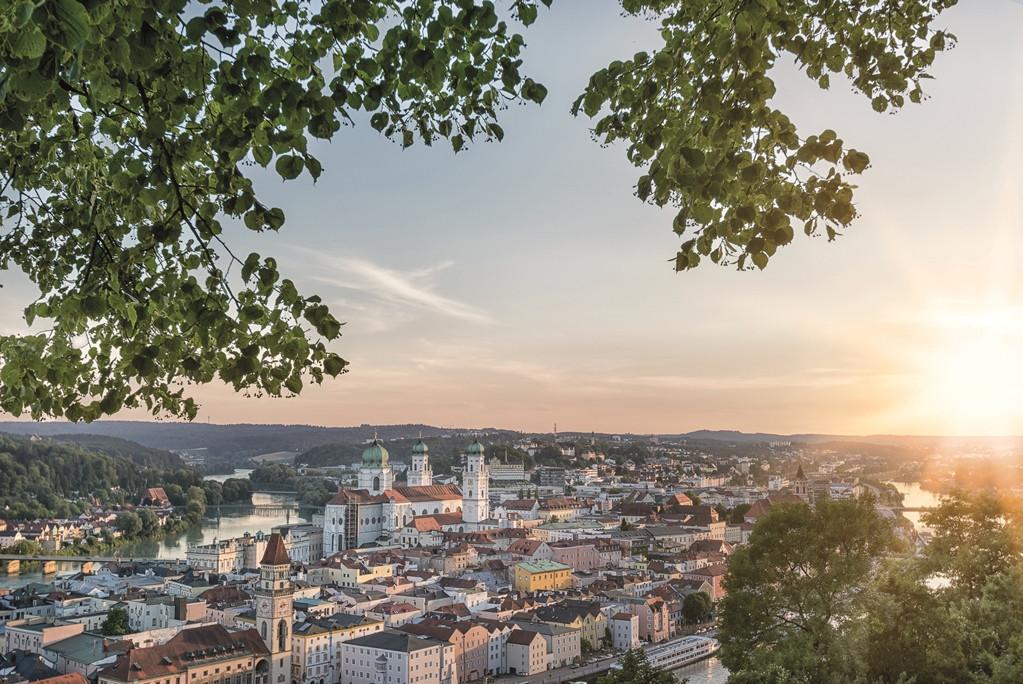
220	523
709	671
915	496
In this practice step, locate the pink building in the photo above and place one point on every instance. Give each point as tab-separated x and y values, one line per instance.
577	554
654	619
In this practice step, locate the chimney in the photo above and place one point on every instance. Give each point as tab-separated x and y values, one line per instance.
180	608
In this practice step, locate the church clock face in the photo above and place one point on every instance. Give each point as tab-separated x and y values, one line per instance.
264	605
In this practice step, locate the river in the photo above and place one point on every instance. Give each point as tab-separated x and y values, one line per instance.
915	496
709	671
219	523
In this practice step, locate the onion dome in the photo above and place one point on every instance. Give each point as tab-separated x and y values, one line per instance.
375	455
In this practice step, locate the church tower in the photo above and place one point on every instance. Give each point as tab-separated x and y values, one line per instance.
475	486
274	611
375	475
800	486
420	474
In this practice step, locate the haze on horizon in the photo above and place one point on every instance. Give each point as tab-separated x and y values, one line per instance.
522	284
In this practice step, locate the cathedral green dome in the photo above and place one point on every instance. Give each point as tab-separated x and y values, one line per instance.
475	447
420	447
375	455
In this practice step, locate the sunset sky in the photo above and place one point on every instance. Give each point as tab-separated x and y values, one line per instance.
521	284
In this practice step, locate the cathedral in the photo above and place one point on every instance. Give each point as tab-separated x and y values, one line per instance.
377	509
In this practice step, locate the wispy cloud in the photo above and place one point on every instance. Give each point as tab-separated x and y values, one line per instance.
414	289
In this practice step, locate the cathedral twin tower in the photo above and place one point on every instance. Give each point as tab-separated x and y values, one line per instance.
377	509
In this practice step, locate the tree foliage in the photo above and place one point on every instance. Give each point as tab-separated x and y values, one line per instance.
636	669
130	133
696	113
696	607
116	623
49	479
791	590
954	613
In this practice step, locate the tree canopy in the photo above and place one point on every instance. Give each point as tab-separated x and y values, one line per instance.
131	130
823	597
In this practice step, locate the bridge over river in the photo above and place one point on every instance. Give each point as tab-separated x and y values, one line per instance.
11	563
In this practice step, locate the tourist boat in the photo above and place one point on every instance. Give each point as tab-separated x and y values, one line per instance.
682	652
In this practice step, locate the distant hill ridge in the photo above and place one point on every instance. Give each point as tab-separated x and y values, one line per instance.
243	441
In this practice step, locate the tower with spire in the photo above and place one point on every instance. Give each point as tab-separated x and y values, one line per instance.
800	485
420	474
475	486
274	612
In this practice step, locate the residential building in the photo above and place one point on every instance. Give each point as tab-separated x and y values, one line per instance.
526	653
396	657
34	633
624	631
316	653
531	576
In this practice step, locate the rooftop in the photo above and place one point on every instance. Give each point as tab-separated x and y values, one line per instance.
394	640
535	566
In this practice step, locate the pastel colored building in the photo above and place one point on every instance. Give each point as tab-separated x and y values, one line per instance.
395	657
531	576
527	653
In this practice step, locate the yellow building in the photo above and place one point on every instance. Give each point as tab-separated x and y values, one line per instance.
542	575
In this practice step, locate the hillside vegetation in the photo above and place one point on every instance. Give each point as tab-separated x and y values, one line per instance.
139	454
48	478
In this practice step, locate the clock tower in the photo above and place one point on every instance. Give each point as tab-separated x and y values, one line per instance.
274	612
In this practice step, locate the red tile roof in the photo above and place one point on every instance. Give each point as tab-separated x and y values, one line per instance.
188	647
425	493
275	553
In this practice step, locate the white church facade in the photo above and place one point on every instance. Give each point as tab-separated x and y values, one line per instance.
377	509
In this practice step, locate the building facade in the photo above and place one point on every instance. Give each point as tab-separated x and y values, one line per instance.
395	657
530	576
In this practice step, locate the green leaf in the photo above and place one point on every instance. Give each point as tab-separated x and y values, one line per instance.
74	21
30	44
262	154
23	13
289	166
333	365
693	156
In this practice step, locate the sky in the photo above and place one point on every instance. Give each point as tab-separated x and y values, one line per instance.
522	284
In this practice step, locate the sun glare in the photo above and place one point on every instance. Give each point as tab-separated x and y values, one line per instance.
971	373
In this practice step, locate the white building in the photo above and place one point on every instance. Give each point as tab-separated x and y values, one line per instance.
377	510
162	612
394	657
624	632
316	646
227	555
303	541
